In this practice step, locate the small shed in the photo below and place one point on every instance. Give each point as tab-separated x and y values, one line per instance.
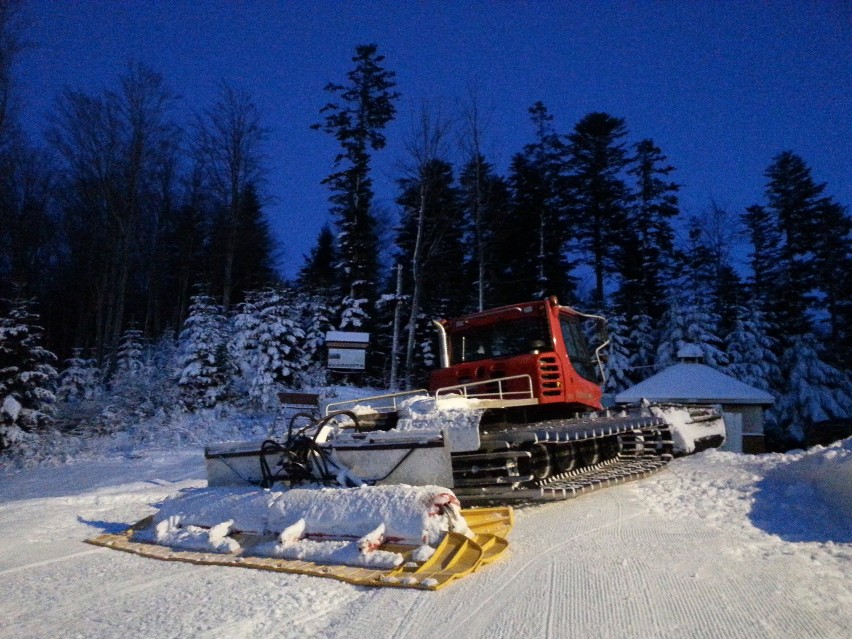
691	382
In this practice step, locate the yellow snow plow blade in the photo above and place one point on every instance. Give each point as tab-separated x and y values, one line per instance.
455	557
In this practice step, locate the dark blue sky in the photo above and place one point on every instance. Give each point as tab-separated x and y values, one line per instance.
720	86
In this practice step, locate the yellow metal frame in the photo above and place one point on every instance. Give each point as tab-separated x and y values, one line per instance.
455	557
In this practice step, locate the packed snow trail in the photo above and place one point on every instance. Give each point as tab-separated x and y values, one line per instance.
694	551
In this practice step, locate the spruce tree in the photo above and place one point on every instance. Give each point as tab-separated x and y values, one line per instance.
647	249
597	158
203	366
27	375
315	320
267	344
705	267
518	246
363	108
79	379
751	351
129	380
642	342
318	273
246	241
538	220
429	238
832	266
128	359
806	219
690	323
485	202
813	391
767	272
617	367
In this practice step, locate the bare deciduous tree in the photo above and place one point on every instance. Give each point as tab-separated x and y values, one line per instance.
426	146
228	143
115	148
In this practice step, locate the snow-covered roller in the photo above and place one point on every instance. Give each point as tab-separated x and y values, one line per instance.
402	536
411	515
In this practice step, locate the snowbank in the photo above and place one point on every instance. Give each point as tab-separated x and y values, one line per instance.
798	496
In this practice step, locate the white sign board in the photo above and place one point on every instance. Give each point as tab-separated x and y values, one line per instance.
347	350
347	358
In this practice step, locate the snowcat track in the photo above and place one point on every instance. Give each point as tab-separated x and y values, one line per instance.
562	459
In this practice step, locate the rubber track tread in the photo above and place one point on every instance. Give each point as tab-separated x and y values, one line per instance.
645	447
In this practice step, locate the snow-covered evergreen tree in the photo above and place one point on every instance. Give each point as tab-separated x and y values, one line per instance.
203	359
617	366
128	383
352	315
643	347
27	375
814	391
690	324
751	351
316	321
426	346
80	378
266	344
128	360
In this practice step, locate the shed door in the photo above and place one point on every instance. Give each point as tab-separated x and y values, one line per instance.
733	432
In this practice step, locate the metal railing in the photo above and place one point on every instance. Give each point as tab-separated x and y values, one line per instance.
485	390
384	403
475	390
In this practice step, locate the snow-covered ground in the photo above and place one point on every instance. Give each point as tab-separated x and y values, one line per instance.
717	545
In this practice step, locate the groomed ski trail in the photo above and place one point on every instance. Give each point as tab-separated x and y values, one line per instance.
632	560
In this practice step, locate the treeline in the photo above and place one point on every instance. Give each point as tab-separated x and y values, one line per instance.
589	204
123	214
114	221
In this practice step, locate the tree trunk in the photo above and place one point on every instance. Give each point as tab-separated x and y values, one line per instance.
416	279
397	312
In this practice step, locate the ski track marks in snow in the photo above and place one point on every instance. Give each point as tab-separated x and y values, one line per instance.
617	564
678	555
47	562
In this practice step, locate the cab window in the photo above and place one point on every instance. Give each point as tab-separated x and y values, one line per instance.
503	339
578	348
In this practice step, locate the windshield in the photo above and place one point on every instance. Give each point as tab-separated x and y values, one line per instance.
578	348
503	339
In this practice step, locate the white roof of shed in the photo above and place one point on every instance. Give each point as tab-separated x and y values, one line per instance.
692	382
347	336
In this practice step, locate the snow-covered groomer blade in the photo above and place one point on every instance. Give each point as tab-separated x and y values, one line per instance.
415	537
693	428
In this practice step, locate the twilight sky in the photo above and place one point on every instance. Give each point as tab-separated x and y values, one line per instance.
721	87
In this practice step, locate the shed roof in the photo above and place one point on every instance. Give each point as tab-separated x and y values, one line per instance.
693	382
347	336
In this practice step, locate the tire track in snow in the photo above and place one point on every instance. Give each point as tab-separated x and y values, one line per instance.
538	560
548	620
401	630
81	594
54	560
447	612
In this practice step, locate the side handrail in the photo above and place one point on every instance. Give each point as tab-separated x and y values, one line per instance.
386	402
501	393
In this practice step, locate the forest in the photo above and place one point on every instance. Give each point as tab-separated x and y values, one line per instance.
138	267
